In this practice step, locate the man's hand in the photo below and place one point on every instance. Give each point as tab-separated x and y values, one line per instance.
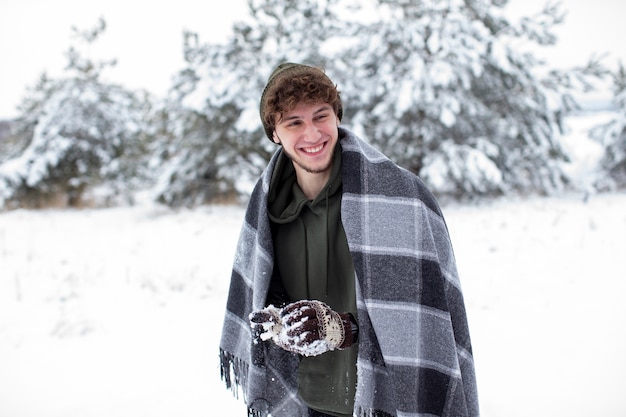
306	327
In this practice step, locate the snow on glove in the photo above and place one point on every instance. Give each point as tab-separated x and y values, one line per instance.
266	324
311	328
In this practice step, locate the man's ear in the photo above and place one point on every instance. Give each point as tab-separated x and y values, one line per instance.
275	138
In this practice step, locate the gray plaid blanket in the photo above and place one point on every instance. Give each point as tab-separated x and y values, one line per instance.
415	356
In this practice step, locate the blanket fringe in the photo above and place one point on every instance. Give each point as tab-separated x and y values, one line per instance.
362	412
233	372
255	413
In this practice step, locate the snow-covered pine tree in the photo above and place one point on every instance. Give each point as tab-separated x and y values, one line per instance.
612	136
221	147
79	133
452	91
204	155
449	89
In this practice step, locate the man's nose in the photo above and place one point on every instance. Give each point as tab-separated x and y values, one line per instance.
312	132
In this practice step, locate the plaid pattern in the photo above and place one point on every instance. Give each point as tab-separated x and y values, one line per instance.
415	356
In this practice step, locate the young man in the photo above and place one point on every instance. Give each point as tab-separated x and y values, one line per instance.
344	297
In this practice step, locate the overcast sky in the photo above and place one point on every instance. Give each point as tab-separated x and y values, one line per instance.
146	36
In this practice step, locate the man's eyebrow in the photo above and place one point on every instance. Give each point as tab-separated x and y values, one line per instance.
295	116
324	108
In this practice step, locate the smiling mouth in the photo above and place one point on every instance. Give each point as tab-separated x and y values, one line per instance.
315	149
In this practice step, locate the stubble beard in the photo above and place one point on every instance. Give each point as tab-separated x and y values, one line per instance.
310	169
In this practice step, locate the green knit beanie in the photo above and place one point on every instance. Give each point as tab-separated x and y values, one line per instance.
283	69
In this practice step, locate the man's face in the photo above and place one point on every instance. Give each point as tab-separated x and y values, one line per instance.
309	135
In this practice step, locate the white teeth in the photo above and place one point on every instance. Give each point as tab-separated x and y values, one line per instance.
313	150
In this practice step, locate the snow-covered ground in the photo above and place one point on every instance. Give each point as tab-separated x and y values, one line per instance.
117	312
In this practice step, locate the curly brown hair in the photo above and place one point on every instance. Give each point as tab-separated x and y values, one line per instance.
291	84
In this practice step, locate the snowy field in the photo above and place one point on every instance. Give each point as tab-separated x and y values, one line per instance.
117	312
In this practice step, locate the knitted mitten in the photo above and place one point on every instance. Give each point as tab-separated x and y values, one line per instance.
311	328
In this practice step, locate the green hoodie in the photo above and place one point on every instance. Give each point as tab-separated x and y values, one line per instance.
313	262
